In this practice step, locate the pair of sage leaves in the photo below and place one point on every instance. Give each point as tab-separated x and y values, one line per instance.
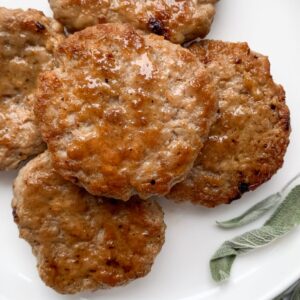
285	218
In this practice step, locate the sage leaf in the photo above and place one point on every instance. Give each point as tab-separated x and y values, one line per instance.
222	260
258	210
289	293
253	213
284	219
288	213
296	293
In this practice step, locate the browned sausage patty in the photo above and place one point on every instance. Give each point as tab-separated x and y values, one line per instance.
82	242
178	20
247	143
27	39
124	113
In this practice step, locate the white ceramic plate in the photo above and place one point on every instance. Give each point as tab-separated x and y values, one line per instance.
181	270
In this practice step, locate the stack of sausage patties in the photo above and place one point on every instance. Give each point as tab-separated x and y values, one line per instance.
123	112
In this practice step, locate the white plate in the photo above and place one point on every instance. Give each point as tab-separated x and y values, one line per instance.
181	270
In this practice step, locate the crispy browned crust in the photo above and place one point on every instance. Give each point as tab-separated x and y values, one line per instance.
124	113
82	242
27	40
178	21
250	137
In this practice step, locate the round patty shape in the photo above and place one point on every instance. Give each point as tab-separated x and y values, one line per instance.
178	20
27	39
247	143
124	113
83	242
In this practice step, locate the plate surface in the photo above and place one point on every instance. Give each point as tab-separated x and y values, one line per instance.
181	270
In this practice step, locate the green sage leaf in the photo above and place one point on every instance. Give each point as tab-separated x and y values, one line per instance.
294	289
285	218
253	213
296	293
258	210
288	213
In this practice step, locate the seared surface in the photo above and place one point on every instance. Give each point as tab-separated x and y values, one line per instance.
247	143
82	242
27	39
178	20
124	113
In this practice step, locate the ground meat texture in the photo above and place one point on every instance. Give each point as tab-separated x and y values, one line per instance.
248	141
27	40
83	242
178	21
124	113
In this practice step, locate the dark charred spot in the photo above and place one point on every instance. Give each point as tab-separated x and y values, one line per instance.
40	27
35	242
112	263
106	80
82	192
238	61
243	187
92	271
15	215
53	266
127	269
156	26
273	106
152	182
114	202
110	56
218	111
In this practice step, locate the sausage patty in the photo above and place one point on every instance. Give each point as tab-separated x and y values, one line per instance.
27	39
247	143
124	113
83	242
178	21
